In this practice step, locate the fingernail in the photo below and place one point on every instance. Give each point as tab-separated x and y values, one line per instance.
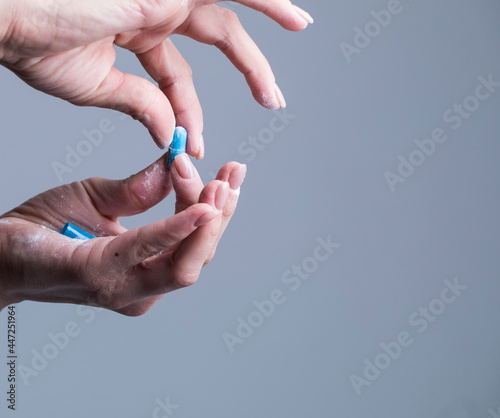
206	218
237	176
303	14
201	152
280	97
221	195
184	166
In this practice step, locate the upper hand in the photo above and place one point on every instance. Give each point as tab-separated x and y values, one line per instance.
67	48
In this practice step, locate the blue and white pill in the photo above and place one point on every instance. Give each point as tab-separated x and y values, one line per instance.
178	145
72	231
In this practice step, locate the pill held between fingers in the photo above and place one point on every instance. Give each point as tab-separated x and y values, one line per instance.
178	145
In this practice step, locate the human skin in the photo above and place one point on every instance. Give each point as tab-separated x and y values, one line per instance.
124	271
66	48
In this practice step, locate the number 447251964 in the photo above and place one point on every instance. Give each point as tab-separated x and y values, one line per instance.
11	327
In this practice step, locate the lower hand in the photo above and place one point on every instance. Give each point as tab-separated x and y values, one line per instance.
125	271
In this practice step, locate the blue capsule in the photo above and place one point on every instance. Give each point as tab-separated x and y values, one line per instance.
72	231
178	145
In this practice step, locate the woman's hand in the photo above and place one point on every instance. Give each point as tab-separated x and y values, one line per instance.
125	271
66	48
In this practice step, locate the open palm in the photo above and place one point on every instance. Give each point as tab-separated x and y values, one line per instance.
125	271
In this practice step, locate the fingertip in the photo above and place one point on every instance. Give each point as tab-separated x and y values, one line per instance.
201	152
225	171
210	193
221	195
182	167
162	133
296	20
195	147
306	17
267	99
237	176
206	218
271	98
204	213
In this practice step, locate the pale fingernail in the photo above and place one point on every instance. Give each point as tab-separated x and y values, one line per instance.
237	176
221	195
201	152
184	166
280	97
206	218
303	14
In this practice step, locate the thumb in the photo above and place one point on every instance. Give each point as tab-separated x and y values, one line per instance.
139	98
136	194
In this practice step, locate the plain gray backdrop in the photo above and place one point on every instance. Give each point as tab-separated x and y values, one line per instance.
320	177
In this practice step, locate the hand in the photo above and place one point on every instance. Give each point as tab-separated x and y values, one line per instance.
66	48
125	271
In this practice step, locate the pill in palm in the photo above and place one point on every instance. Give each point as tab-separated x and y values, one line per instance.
73	231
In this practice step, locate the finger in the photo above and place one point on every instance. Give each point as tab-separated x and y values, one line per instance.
138	98
186	181
136	194
182	267
134	246
286	14
175	79
233	173
218	26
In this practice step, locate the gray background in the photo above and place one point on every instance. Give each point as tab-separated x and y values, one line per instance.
323	175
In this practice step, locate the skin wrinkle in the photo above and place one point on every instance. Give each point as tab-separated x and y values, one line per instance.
89	193
85	96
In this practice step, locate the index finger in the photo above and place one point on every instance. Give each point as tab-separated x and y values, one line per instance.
135	246
285	13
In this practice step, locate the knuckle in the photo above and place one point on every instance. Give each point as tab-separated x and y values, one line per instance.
230	17
109	294
142	97
134	311
139	200
209	258
213	233
186	278
178	80
230	24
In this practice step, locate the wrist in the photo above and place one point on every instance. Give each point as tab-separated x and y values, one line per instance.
6	289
